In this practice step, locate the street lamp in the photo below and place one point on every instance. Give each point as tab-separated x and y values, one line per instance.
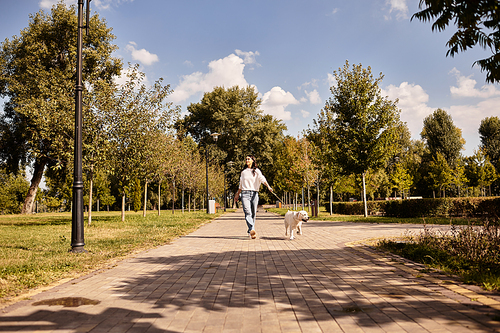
215	136
77	239
230	164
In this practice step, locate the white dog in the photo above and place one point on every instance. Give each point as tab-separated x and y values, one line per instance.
293	220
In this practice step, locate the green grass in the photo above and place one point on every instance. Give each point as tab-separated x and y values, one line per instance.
480	273
34	248
324	216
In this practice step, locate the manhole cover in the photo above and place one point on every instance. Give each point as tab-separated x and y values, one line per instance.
68	302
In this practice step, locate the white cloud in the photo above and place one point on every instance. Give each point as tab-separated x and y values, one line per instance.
312	83
225	72
105	4
305	113
188	63
142	55
413	104
276	100
47	4
399	7
331	80
248	57
468	117
467	87
333	12
313	96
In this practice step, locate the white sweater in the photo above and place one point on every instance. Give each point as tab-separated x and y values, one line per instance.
251	182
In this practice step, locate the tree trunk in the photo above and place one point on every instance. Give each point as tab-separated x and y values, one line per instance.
364	196
189	202
159	197
317	196
173	197
123	207
308	198
145	198
331	199
182	200
91	176
302	198
35	181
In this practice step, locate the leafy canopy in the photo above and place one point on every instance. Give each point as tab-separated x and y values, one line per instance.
478	23
359	124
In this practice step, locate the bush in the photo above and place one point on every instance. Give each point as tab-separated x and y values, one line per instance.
356	208
441	207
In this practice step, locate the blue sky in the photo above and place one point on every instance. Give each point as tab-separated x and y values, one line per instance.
288	50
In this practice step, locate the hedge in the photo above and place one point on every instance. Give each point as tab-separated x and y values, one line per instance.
441	207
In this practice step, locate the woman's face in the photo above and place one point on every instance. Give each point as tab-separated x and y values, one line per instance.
249	161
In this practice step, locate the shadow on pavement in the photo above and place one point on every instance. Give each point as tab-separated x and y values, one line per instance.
117	319
305	283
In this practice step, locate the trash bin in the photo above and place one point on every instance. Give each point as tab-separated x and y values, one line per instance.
211	206
278	204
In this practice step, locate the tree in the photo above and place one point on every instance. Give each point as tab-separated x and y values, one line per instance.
401	179
479	171
37	76
489	132
96	145
478	23
440	173
138	115
12	191
360	123
442	136
235	114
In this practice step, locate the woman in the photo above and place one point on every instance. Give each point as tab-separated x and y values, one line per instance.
250	180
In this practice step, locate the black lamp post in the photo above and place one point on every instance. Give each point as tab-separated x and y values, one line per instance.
77	238
230	164
215	136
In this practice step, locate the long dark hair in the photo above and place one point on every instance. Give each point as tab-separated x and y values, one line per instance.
254	164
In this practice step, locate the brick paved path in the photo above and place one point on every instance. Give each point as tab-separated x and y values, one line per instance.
218	280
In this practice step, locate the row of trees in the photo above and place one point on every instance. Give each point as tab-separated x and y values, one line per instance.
138	151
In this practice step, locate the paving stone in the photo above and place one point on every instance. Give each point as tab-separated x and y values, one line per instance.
217	279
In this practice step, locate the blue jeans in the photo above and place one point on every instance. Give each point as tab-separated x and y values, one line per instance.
250	200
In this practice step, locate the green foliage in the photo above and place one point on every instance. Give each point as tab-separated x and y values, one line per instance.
359	123
401	179
444	207
355	208
440	173
293	164
442	136
13	188
138	118
234	113
441	207
479	171
37	77
489	133
477	22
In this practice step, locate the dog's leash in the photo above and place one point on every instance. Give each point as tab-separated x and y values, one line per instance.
277	197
